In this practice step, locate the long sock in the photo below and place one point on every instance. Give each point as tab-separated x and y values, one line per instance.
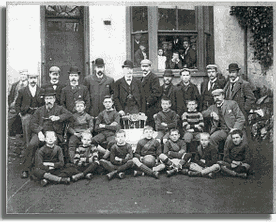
146	169
230	172
52	177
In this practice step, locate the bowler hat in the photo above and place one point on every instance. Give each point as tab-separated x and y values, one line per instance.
233	66
54	69
128	63
146	62
99	62
168	73
74	70
217	92
49	92
186	39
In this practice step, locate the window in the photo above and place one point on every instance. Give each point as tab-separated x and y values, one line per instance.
172	37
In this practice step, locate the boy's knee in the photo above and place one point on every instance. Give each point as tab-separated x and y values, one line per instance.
163	157
136	161
39	173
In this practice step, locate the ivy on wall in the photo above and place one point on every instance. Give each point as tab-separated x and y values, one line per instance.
259	20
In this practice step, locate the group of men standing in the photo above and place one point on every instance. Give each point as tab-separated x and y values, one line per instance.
130	95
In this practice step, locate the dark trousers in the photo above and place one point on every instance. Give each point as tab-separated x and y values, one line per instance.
72	169
14	124
74	141
39	173
104	136
120	168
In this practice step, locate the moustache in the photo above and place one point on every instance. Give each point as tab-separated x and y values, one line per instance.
100	72
49	103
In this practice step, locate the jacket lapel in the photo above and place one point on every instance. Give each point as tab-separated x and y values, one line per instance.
28	91
237	87
124	84
204	86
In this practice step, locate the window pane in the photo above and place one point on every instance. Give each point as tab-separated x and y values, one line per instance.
176	51
140	18
53	26
186	19
140	48
166	19
72	26
64	11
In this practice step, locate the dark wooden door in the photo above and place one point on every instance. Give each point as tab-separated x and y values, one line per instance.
64	45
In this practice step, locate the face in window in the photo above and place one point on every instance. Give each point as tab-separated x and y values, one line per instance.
160	52
74	78
212	74
143	48
54	76
32	80
138	36
145	68
128	72
185	76
165	46
175	56
237	139
99	70
185	44
170	45
233	74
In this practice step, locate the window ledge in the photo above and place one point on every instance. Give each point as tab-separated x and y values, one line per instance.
195	73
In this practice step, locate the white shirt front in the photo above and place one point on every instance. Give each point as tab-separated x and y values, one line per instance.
32	90
210	83
162	62
128	81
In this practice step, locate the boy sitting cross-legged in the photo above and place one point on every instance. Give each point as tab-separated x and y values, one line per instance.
206	157
107	123
175	154
49	162
81	122
120	157
165	120
85	159
146	156
236	156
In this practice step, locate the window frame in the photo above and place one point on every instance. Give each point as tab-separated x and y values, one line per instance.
201	13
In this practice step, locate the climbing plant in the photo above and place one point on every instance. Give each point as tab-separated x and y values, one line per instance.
259	20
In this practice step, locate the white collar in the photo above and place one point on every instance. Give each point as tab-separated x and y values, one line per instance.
146	74
74	85
32	87
212	81
54	83
236	80
130	78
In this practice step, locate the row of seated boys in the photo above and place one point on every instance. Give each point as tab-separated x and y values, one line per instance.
147	159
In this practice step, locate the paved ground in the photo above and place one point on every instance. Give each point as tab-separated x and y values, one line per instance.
178	194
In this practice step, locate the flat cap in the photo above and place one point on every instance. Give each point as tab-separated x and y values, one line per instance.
217	92
146	62
25	71
168	73
79	101
212	66
32	74
54	69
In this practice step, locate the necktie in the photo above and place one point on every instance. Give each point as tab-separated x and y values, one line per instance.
232	86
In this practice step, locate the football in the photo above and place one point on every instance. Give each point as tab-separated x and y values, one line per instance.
149	161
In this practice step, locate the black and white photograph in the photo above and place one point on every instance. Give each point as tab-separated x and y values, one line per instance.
139	108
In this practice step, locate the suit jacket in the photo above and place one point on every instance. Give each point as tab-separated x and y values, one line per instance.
172	94
37	120
182	96
206	96
242	94
98	89
138	57
23	101
231	112
209	154
189	59
11	95
121	93
152	90
69	96
58	90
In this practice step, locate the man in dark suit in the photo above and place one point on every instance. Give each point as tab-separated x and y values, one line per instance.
14	121
189	55
49	117
152	90
226	117
54	73
208	85
74	91
128	93
169	90
140	54
29	99
239	90
99	85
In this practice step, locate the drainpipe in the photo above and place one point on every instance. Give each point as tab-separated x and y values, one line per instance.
245	54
